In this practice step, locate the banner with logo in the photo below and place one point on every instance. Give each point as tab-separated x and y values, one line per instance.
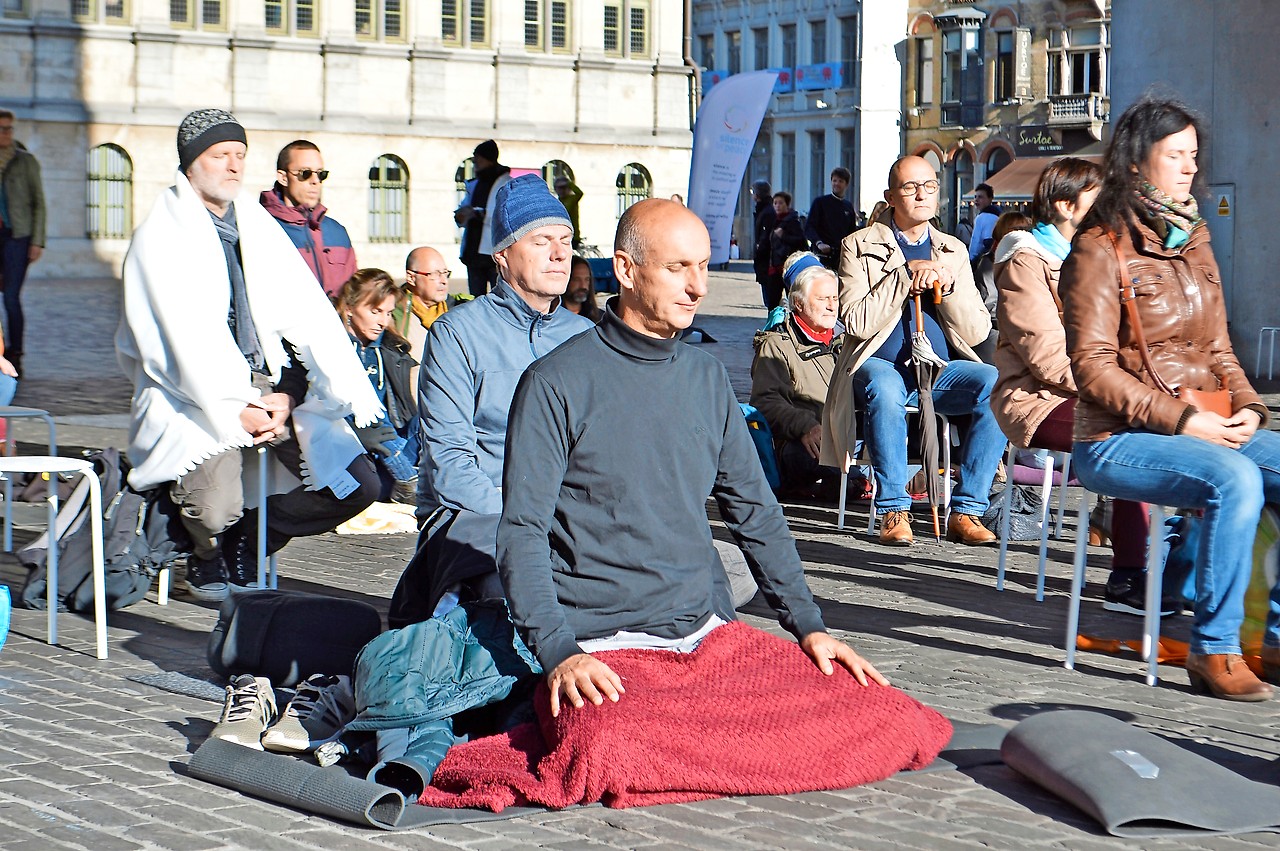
723	137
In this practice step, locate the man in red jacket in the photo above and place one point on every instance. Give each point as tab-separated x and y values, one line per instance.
295	203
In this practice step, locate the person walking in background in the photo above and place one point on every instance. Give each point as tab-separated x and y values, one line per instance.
764	221
294	202
985	213
22	230
473	217
569	194
786	238
831	219
1164	412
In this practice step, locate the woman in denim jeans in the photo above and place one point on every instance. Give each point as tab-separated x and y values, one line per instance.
1136	440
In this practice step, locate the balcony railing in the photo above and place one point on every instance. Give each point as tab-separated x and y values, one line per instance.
1078	110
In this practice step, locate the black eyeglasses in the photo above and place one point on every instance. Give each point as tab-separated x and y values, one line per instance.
305	174
911	187
440	273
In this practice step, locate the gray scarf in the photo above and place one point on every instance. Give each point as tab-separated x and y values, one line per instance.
239	319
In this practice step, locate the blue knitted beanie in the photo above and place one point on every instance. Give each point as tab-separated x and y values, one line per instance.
525	204
803	262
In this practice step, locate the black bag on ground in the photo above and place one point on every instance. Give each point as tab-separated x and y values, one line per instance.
142	533
286	636
1024	524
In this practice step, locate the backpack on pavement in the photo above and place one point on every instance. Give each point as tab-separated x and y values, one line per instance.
142	533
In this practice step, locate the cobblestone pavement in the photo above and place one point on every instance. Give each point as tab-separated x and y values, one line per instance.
90	758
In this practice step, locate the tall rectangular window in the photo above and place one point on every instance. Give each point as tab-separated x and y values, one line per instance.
558	34
849	50
273	12
788	32
817	41
962	78
734	42
760	46
1004	72
304	17
533	24
787	147
204	14
817	165
379	20
450	32
626	28
707	50
924	70
848	151
546	24
478	22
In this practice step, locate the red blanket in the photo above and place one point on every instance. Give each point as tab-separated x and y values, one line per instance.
747	713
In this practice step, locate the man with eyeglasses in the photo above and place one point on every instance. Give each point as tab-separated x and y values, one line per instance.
882	268
22	229
294	202
426	278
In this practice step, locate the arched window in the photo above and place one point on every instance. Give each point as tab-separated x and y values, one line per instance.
554	169
634	184
997	159
109	202
388	200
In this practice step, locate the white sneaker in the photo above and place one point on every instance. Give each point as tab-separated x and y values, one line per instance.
249	708
322	706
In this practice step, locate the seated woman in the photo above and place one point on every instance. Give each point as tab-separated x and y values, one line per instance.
365	304
1035	398
1165	412
792	371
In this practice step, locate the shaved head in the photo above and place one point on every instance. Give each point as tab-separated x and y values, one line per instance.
660	258
895	170
425	272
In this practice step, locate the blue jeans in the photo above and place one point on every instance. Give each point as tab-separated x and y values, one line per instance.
962	388
1230	485
8	388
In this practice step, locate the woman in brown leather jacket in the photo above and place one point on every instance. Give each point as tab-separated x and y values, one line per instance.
1137	436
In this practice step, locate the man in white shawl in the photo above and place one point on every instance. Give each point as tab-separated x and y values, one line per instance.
230	344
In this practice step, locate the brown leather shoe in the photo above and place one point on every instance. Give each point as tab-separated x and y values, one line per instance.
1271	665
967	529
895	529
1225	675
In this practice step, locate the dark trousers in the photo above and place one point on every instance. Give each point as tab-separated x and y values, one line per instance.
13	261
482	273
771	290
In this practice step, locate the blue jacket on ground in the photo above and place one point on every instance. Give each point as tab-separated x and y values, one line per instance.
474	357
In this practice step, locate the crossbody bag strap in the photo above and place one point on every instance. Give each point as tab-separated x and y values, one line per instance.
1127	298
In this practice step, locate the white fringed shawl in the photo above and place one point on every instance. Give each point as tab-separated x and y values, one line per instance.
190	380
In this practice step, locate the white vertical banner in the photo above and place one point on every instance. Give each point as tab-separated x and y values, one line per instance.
723	137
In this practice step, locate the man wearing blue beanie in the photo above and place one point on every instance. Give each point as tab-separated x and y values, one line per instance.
474	356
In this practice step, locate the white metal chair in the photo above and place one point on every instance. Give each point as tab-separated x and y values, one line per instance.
10	412
1046	499
51	467
849	461
266	564
1155	576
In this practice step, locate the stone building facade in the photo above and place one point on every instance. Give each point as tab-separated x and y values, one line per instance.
993	90
831	106
396	93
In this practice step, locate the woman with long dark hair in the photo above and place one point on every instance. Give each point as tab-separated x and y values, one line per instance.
1165	413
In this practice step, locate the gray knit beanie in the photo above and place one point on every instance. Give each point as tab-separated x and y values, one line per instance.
523	205
203	129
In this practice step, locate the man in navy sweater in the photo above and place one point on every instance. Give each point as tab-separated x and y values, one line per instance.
614	442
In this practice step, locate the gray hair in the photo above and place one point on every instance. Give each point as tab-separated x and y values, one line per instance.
804	282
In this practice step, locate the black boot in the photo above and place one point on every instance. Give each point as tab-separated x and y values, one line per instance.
240	550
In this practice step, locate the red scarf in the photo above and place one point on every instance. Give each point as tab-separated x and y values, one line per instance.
823	337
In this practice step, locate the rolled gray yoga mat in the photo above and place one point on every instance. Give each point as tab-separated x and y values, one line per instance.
1134	783
332	792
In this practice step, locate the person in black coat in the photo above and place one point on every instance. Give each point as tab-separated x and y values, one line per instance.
786	238
764	222
831	219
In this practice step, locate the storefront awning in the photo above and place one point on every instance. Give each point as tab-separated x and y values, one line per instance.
1017	181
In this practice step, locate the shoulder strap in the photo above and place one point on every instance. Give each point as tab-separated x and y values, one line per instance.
1127	298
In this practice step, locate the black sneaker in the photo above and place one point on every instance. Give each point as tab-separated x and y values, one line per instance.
1128	594
207	578
240	549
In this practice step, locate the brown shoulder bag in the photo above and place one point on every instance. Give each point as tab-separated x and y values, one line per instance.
1218	401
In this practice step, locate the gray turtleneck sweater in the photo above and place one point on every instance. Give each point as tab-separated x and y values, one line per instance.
614	443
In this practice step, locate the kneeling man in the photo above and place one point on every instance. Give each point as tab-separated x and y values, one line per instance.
614	443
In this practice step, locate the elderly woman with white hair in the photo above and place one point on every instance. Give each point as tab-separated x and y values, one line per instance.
792	370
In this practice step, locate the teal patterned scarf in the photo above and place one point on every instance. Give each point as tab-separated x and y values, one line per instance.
1181	218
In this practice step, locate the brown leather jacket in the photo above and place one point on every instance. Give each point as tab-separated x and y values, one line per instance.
1184	318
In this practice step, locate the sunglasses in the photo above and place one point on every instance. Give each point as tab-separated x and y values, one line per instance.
305	174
